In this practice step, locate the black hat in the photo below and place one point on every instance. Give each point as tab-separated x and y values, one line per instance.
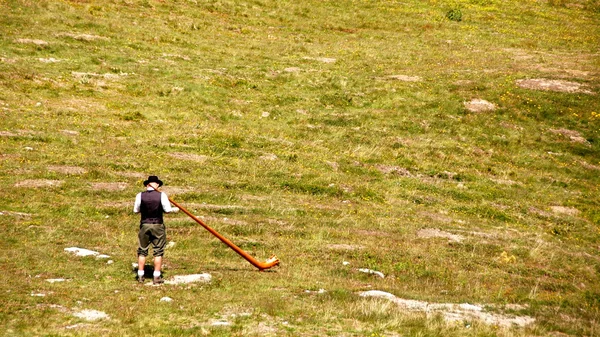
153	179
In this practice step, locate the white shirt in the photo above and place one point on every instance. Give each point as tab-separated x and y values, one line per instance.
164	201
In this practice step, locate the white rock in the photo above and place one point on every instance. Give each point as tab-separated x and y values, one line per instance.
166	299
54	280
85	252
110	262
479	105
220	323
91	315
370	271
193	278
345	263
38	294
81	251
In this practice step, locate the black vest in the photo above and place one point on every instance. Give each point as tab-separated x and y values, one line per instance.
151	208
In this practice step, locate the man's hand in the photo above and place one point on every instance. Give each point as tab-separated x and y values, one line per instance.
174	209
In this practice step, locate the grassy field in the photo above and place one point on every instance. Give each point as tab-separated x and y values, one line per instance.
321	131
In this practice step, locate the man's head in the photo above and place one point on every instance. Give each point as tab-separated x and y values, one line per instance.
153	181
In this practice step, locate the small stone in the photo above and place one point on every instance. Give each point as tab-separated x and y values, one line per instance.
370	271
345	263
110	262
54	280
166	299
28	148
265	114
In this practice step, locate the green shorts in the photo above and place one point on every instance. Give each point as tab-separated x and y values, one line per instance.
154	234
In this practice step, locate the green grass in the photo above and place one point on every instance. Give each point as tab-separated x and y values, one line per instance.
232	105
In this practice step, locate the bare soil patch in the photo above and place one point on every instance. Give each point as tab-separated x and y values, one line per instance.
565	210
343	246
109	186
396	170
33	41
37	183
91	315
428	233
67	169
479	105
553	85
573	135
82	37
454	312
404	78
189	156
321	59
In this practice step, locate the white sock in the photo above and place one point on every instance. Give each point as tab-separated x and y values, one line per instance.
156	274
140	272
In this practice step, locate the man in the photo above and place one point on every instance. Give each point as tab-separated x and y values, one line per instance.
151	204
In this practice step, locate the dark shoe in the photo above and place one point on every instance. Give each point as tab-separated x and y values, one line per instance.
158	280
140	278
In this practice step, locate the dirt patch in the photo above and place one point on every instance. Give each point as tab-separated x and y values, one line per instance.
453	312
343	246
573	135
565	210
70	132
39	183
82	37
91	315
428	233
67	169
396	170
8	134
269	157
189	156
404	78
589	166
438	217
321	59
553	85
17	214
33	41
109	186
479	105
292	70
107	76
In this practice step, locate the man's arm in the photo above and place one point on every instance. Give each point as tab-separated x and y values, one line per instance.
166	204
138	203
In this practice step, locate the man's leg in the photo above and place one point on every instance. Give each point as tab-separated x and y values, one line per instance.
159	242
141	263
144	242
